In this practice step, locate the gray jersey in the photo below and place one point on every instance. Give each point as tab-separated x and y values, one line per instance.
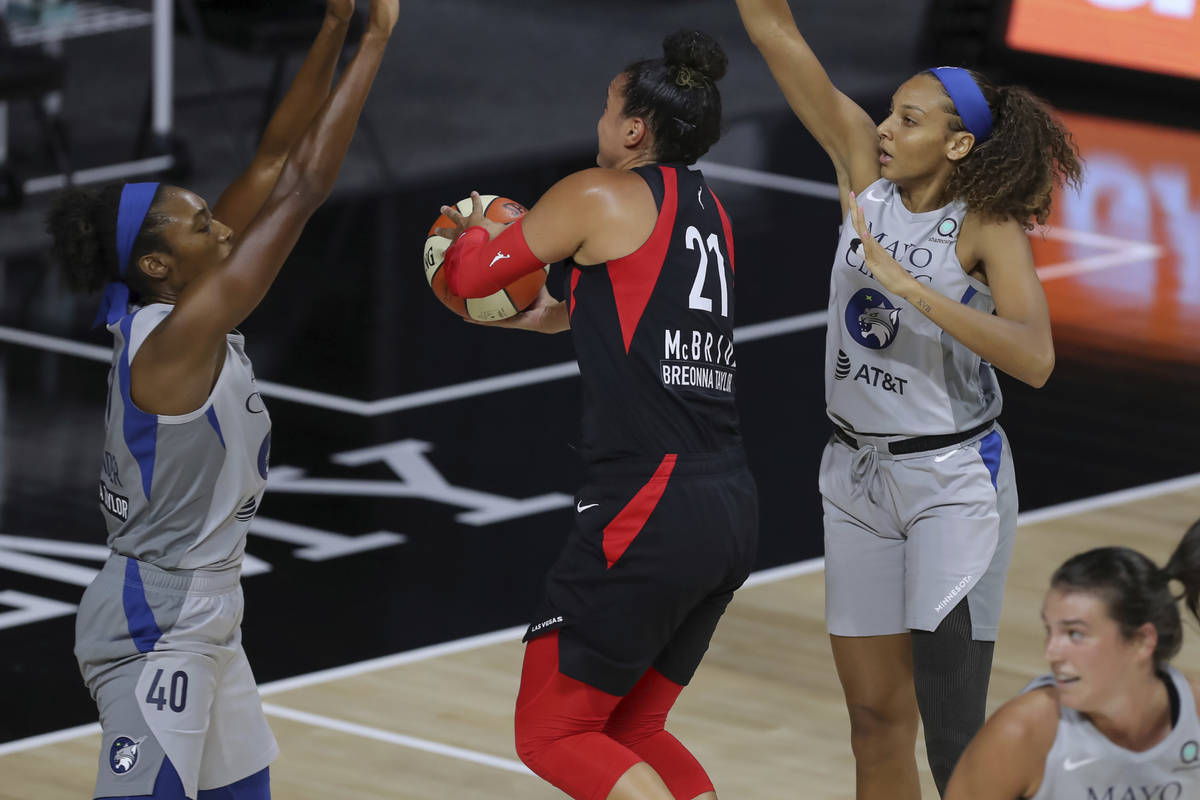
179	492
1084	764
888	368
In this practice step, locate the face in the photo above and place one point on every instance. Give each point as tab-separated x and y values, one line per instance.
613	131
915	139
195	239
1091	660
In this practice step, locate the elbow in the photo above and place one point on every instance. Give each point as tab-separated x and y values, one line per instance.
1041	368
765	33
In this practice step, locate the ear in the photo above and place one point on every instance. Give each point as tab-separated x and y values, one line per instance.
1147	639
636	131
153	266
959	145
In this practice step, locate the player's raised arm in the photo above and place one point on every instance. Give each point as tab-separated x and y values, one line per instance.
211	303
244	198
838	124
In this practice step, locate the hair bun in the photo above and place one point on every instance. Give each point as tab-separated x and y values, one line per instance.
696	51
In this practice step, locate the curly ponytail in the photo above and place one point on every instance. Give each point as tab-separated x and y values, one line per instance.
1014	173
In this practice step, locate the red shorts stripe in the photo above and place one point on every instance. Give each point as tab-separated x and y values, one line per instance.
625	527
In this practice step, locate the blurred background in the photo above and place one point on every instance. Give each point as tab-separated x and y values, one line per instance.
422	468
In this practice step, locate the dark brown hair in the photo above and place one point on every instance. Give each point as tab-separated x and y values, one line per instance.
677	95
1136	591
1014	173
83	230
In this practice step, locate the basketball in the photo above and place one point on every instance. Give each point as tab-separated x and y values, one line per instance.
510	300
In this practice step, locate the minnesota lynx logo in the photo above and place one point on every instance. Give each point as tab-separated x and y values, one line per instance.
871	319
123	754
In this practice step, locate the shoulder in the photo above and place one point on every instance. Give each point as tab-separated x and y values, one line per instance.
993	240
1024	729
596	188
1032	714
1193	685
987	228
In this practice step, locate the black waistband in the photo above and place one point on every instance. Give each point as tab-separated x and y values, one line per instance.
919	444
683	464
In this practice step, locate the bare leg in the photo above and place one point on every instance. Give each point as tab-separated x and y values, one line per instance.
877	679
640	782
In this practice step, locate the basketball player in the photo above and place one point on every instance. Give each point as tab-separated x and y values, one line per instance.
1113	718
666	522
158	635
933	284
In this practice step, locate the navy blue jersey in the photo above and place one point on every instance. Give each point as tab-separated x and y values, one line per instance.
653	331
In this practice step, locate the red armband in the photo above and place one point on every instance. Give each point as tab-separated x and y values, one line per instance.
477	267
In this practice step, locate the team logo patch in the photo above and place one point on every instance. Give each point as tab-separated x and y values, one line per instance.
842	371
1190	752
123	755
947	227
871	319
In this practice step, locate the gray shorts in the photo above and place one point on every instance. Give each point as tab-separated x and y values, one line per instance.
909	536
161	653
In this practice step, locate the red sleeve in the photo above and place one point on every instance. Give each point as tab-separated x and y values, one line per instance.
477	267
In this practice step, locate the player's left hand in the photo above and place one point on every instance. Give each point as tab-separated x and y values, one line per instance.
341	10
543	315
883	267
476	217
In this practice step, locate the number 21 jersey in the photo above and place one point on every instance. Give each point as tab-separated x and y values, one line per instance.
653	331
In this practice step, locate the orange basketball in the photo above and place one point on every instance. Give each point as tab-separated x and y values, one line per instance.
510	300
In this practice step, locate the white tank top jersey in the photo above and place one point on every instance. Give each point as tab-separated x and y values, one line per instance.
1084	764
889	370
179	492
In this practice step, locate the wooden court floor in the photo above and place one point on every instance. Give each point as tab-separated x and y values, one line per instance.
764	713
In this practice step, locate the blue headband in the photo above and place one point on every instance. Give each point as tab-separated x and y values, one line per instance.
968	100
136	199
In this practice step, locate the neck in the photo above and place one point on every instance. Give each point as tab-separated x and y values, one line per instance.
161	295
1137	717
927	192
634	160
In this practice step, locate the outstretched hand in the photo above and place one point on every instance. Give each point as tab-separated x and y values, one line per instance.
476	217
341	10
883	267
383	16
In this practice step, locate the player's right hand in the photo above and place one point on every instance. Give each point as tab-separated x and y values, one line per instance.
476	217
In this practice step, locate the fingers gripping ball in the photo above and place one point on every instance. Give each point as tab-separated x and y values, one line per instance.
505	303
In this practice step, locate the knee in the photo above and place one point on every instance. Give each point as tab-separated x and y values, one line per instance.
632	731
879	731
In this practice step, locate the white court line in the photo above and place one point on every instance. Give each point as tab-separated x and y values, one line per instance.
515	633
413	742
770	180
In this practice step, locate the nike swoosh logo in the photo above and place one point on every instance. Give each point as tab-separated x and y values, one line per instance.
944	456
498	257
1070	765
580	507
